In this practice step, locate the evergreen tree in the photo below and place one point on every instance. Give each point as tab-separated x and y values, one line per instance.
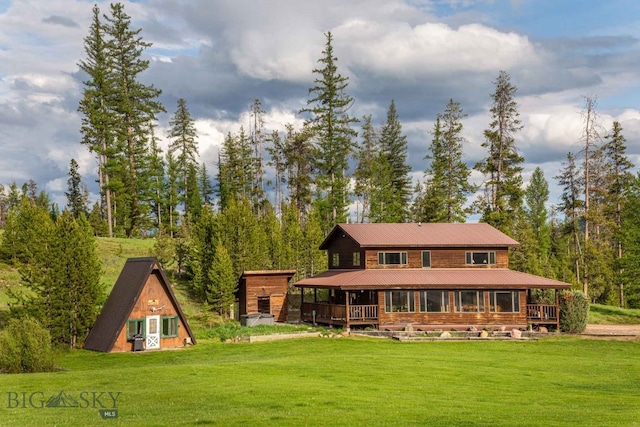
157	184
134	107
328	106
502	167
630	236
447	175
184	147
364	175
77	195
393	153
224	281
299	165
537	197
572	206
205	186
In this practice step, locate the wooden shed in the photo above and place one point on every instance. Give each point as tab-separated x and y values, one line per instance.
264	292
141	313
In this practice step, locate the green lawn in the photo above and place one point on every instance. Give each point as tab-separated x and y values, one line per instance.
562	381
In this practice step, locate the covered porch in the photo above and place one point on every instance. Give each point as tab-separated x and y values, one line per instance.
338	307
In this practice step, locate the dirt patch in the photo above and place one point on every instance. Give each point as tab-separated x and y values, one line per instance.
613	330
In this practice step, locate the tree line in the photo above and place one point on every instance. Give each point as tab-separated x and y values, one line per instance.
332	169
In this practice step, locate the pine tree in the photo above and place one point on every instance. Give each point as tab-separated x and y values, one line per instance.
630	236
97	120
328	106
364	175
572	207
224	282
204	183
299	164
183	147
447	185
77	195
134	107
502	167
537	197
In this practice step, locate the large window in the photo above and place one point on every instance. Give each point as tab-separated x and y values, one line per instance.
469	301
504	301
135	327
392	258
434	301
426	259
170	326
481	258
399	302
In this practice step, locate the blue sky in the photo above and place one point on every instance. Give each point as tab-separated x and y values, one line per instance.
221	54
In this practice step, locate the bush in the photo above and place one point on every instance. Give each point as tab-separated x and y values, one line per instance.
574	311
25	346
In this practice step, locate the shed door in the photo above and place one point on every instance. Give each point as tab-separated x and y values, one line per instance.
153	332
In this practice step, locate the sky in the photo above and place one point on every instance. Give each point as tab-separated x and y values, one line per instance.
220	55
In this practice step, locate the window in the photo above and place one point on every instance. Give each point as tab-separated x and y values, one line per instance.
264	305
170	326
481	258
469	301
392	258
135	327
335	259
434	301
399	302
426	259
356	259
504	301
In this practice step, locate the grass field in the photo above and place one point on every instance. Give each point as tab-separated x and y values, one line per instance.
562	381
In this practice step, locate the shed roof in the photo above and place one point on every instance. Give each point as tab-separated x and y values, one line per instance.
421	235
435	278
121	302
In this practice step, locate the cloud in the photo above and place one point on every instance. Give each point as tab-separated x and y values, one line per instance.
60	20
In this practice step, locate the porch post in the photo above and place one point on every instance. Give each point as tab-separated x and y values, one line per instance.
346	307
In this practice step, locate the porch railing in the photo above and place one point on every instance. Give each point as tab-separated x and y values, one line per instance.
542	313
333	312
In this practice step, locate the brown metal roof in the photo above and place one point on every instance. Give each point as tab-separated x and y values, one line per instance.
122	299
422	235
430	278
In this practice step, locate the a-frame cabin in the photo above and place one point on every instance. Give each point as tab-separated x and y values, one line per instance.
141	313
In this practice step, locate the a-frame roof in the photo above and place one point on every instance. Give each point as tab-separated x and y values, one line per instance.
122	300
388	235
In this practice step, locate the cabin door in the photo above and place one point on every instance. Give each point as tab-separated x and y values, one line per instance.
153	332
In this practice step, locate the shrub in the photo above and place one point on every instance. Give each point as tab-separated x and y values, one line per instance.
574	311
25	346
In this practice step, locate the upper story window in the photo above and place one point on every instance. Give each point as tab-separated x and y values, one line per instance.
335	259
392	258
481	258
426	259
356	259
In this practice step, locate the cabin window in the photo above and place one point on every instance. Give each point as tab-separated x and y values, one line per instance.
426	259
504	301
335	259
469	301
392	258
434	301
264	305
481	258
170	326
135	327
399	302
356	259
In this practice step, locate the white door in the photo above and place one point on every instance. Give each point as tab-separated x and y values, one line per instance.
153	332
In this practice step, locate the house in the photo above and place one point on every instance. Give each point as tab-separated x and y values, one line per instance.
264	292
432	276
141	313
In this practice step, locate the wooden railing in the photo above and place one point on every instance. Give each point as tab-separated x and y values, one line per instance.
320	312
363	312
542	313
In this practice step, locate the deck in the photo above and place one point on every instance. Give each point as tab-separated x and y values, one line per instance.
362	315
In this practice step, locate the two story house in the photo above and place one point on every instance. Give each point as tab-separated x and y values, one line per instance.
433	276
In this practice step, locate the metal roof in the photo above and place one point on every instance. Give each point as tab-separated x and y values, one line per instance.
430	278
421	235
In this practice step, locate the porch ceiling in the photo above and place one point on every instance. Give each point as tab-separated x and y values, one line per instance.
436	278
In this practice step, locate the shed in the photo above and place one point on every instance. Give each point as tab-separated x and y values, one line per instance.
264	292
141	312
